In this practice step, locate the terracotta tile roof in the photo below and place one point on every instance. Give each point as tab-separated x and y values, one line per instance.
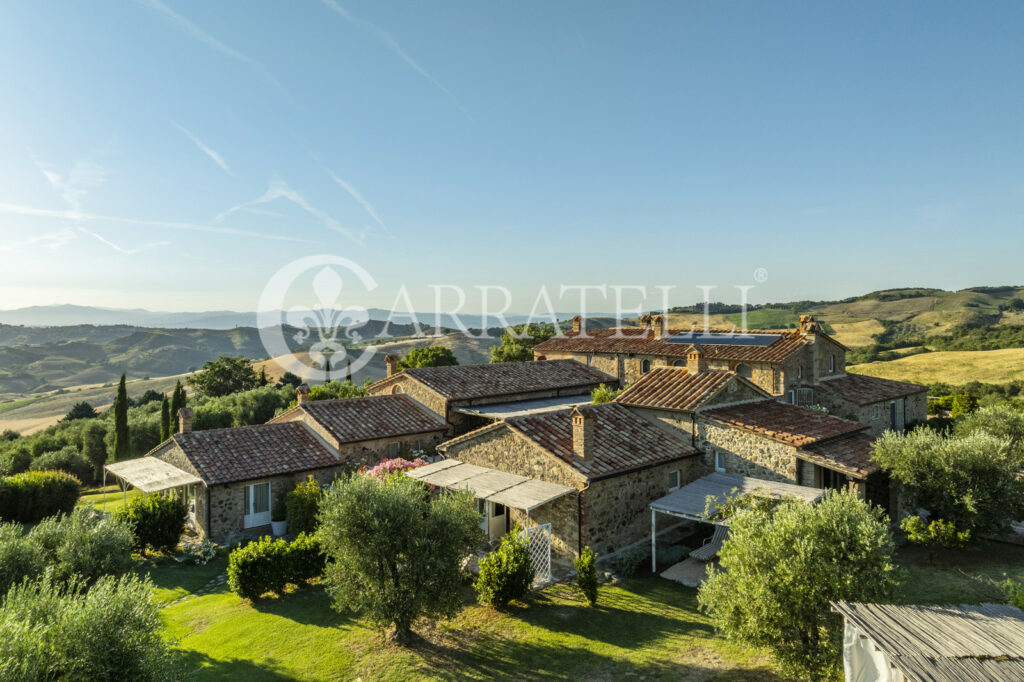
861	389
644	341
787	423
674	388
623	441
250	452
464	382
351	420
851	454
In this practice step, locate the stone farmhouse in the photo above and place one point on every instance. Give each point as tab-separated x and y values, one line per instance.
803	366
469	396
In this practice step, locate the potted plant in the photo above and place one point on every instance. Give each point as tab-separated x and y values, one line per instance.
279	513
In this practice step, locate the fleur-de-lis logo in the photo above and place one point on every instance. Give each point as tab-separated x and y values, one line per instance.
328	327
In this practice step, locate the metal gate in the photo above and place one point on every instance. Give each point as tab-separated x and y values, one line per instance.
539	545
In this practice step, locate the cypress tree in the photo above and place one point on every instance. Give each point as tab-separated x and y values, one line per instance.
122	446
327	368
165	420
177	402
348	370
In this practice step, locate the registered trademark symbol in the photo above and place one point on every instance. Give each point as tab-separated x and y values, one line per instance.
761	275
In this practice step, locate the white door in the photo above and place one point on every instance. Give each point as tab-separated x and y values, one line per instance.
257	505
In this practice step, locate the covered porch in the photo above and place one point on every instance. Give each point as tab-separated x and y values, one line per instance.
691	503
152	475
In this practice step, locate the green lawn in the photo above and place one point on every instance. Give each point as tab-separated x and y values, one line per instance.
113	495
644	628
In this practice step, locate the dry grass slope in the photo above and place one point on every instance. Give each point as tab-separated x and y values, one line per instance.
953	367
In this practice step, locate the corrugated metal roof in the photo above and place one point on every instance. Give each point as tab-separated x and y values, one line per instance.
520	408
511	490
690	501
151	475
944	643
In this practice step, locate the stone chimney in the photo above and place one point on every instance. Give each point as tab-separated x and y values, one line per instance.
658	325
696	361
185	419
582	433
645	319
808	325
302	393
392	362
577	323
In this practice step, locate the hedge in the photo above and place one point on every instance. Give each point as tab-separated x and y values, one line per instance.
31	496
267	565
303	504
157	520
506	573
66	459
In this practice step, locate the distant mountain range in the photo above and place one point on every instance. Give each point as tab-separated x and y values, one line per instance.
72	315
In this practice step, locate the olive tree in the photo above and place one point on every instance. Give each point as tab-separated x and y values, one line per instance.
395	553
781	567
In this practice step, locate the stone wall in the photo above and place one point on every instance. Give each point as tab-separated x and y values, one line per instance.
876	416
367	452
430	399
615	510
746	453
504	450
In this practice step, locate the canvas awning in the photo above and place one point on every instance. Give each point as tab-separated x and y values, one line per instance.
689	501
523	407
150	474
511	490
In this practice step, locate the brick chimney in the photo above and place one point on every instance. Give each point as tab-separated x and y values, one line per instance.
577	323
302	393
696	361
582	433
185	419
392	362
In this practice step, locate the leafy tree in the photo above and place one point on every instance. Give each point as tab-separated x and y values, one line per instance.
82	410
14	460
165	420
428	356
224	376
178	401
94	447
150	396
963	403
66	459
122	443
506	573
586	575
604	394
262	379
335	390
1001	421
289	379
393	552
972	481
781	568
303	504
9	435
517	342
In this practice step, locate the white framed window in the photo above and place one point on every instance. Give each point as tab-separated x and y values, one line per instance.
397	390
645	366
590	359
874	412
394	449
256	509
831	364
673	480
719	461
419	444
800	372
792	397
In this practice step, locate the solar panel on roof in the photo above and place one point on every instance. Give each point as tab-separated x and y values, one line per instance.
726	338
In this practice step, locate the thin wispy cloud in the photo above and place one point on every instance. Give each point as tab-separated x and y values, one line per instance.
367	206
279	189
121	249
207	39
217	158
75	185
393	45
78	216
50	240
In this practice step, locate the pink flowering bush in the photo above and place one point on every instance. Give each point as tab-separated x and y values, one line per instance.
390	467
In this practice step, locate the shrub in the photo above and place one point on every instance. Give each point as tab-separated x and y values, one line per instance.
258	567
157	520
397	465
31	496
303	504
936	534
112	631
505	573
20	558
604	394
15	460
628	561
306	559
839	549
85	543
586	575
1014	593
201	552
66	459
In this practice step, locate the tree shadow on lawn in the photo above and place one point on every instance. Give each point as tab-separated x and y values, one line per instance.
308	605
197	665
168	574
485	655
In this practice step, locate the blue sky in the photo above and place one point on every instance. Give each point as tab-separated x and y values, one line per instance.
174	155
